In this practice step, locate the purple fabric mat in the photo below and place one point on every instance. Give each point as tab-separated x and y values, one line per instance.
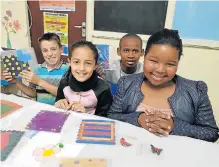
50	121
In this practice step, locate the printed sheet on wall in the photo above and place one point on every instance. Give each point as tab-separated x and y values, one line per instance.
57	23
57	5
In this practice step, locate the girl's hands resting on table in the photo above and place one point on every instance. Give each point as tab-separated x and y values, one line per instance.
156	122
78	107
74	106
63	104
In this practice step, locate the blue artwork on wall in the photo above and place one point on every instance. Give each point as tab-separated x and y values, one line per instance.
197	19
103	51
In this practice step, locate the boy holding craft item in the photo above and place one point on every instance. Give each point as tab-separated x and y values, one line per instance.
81	89
46	77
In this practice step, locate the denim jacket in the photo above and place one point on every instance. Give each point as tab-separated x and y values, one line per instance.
193	115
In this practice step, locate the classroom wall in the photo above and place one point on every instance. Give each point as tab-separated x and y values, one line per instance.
19	35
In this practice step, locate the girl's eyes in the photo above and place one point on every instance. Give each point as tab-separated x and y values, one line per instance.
154	61
170	64
75	62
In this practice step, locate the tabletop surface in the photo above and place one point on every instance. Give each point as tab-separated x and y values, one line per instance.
182	151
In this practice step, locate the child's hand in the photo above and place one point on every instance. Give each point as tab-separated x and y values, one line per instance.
156	122
159	122
31	77
8	77
100	71
63	104
78	107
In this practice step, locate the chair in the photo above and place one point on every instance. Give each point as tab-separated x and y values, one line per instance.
113	88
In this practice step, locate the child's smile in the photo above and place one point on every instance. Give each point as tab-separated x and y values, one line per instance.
82	63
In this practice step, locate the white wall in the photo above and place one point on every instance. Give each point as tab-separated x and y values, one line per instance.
19	10
203	64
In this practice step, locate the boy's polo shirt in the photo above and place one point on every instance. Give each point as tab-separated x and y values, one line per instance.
52	77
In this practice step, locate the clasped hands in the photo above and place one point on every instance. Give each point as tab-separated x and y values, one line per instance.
74	106
156	122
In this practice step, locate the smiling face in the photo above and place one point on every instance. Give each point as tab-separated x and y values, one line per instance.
160	64
130	51
82	63
51	52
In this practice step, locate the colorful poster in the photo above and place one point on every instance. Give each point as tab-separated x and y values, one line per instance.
57	23
68	5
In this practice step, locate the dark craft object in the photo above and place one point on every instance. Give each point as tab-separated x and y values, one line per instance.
13	65
156	150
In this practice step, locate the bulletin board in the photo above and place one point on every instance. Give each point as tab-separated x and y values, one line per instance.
198	22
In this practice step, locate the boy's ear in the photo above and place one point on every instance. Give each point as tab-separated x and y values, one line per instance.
142	52
118	52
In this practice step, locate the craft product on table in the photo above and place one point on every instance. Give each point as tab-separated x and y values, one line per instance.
8	107
9	139
124	143
156	150
50	121
96	132
83	162
47	151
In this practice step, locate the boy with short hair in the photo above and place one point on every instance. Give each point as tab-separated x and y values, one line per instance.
130	50
45	79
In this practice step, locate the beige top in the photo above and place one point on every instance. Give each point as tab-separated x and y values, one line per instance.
145	108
